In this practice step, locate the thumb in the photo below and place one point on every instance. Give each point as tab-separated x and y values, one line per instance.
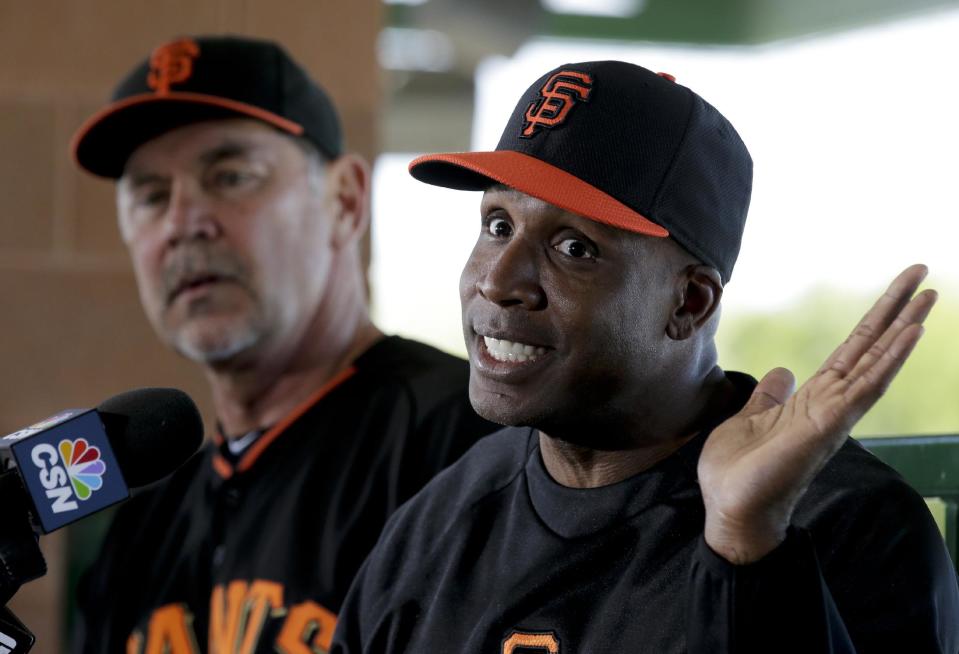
771	391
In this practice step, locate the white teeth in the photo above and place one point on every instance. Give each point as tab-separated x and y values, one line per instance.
503	350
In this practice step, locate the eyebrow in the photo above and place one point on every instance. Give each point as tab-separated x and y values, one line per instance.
227	150
221	152
136	180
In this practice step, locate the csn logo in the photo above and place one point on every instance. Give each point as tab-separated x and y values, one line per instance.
71	471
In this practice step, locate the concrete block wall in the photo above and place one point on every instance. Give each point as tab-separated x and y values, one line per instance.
72	331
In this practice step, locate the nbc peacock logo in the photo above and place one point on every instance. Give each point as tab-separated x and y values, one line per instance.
84	466
69	472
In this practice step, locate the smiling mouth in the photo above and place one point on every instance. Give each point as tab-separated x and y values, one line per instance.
503	350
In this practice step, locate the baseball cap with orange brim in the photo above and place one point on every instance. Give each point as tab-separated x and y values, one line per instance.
193	79
621	145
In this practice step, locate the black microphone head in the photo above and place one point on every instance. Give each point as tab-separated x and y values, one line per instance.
152	431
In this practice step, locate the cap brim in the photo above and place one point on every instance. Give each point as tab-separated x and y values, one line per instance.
106	140
477	171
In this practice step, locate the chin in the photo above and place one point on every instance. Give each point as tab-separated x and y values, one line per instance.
213	348
493	415
503	409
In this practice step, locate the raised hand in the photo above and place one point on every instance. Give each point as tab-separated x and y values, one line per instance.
756	466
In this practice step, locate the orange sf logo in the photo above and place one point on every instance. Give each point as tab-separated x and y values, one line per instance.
544	641
556	99
172	63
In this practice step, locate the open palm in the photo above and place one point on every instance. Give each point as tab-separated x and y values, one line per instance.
756	466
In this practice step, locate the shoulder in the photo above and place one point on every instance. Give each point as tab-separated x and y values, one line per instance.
406	359
428	536
855	479
430	376
864	516
881	553
429	531
494	463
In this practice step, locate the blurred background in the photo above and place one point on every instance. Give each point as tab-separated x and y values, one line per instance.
848	106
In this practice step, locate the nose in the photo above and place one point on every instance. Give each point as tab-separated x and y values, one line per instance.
509	275
190	214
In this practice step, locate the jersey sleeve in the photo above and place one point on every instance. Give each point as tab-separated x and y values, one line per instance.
779	603
879	581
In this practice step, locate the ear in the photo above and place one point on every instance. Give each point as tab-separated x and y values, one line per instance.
349	191
699	289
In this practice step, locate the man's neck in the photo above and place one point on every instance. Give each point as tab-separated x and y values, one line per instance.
577	466
260	397
262	391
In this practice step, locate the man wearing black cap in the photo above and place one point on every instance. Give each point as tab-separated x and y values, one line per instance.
644	500
242	215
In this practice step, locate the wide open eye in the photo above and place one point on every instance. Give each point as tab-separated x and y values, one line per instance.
576	248
499	228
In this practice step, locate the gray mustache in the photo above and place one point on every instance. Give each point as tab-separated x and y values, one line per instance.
196	263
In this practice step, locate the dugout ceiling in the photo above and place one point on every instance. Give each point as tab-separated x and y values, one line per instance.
472	30
714	22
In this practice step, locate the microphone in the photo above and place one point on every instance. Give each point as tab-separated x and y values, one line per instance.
14	637
81	461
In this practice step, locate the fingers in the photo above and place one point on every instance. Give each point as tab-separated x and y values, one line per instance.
894	303
914	314
771	391
868	387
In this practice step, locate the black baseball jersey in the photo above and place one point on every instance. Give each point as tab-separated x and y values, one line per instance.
495	557
256	553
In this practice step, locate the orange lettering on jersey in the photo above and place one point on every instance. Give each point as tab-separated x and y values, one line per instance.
308	630
531	640
263	597
170	631
225	608
237	615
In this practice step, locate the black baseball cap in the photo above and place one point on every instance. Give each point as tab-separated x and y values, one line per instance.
624	146
191	79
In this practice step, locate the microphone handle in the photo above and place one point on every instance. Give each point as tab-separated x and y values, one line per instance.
15	638
20	557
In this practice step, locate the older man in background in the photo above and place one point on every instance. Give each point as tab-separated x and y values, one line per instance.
242	215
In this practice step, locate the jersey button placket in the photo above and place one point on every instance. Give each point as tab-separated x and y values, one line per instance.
228	500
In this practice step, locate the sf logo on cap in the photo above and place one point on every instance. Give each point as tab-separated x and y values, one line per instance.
557	97
172	63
